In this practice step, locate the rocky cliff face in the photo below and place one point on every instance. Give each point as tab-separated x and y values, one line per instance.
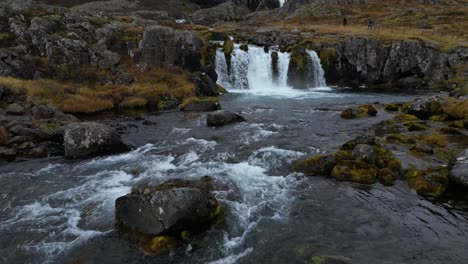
402	63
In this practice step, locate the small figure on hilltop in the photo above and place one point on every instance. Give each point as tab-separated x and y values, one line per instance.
370	24
345	21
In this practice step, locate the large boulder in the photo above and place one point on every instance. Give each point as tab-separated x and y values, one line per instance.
168	209
459	172
361	111
165	46
223	118
298	68
425	108
317	165
90	139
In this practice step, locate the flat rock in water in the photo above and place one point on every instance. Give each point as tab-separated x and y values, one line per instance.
459	172
223	118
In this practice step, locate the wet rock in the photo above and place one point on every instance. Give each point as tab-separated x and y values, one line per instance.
7	154
459	171
355	171
386	176
298	68
168	208
52	131
19	140
223	118
317	165
359	112
89	139
15	109
425	108
366	138
364	152
202	106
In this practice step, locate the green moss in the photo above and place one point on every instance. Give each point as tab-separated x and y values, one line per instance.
413	126
458	123
429	182
439	118
328	57
228	48
298	60
404	117
317	165
185	235
218	216
355	171
159	245
386	177
391	107
397	139
359	112
447	155
220	89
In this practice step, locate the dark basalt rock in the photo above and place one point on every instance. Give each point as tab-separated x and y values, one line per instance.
168	209
89	139
223	118
165	46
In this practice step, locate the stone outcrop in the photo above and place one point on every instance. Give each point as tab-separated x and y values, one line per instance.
89	139
166	46
408	63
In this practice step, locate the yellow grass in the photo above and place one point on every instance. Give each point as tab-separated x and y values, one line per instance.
151	86
436	140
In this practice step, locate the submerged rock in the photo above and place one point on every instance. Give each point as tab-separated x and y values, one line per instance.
223	118
318	165
459	172
91	139
168	209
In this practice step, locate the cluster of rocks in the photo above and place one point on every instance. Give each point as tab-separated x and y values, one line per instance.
422	144
41	131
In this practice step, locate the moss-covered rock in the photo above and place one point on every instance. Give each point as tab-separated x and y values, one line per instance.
361	111
355	171
298	64
430	182
391	107
220	89
424	108
413	126
228	48
317	165
327	259
439	118
386	176
328	57
244	47
159	245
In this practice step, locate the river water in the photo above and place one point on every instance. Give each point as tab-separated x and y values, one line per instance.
60	211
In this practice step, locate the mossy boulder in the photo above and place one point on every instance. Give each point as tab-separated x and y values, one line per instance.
429	182
366	138
298	64
413	126
328	57
361	111
364	153
355	171
244	47
425	108
159	216
317	165
386	176
392	107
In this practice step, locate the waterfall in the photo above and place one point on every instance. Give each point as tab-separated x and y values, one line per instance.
252	70
317	75
282	2
255	70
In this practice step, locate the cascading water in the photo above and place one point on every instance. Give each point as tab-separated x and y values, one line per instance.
252	70
256	71
282	2
317	78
